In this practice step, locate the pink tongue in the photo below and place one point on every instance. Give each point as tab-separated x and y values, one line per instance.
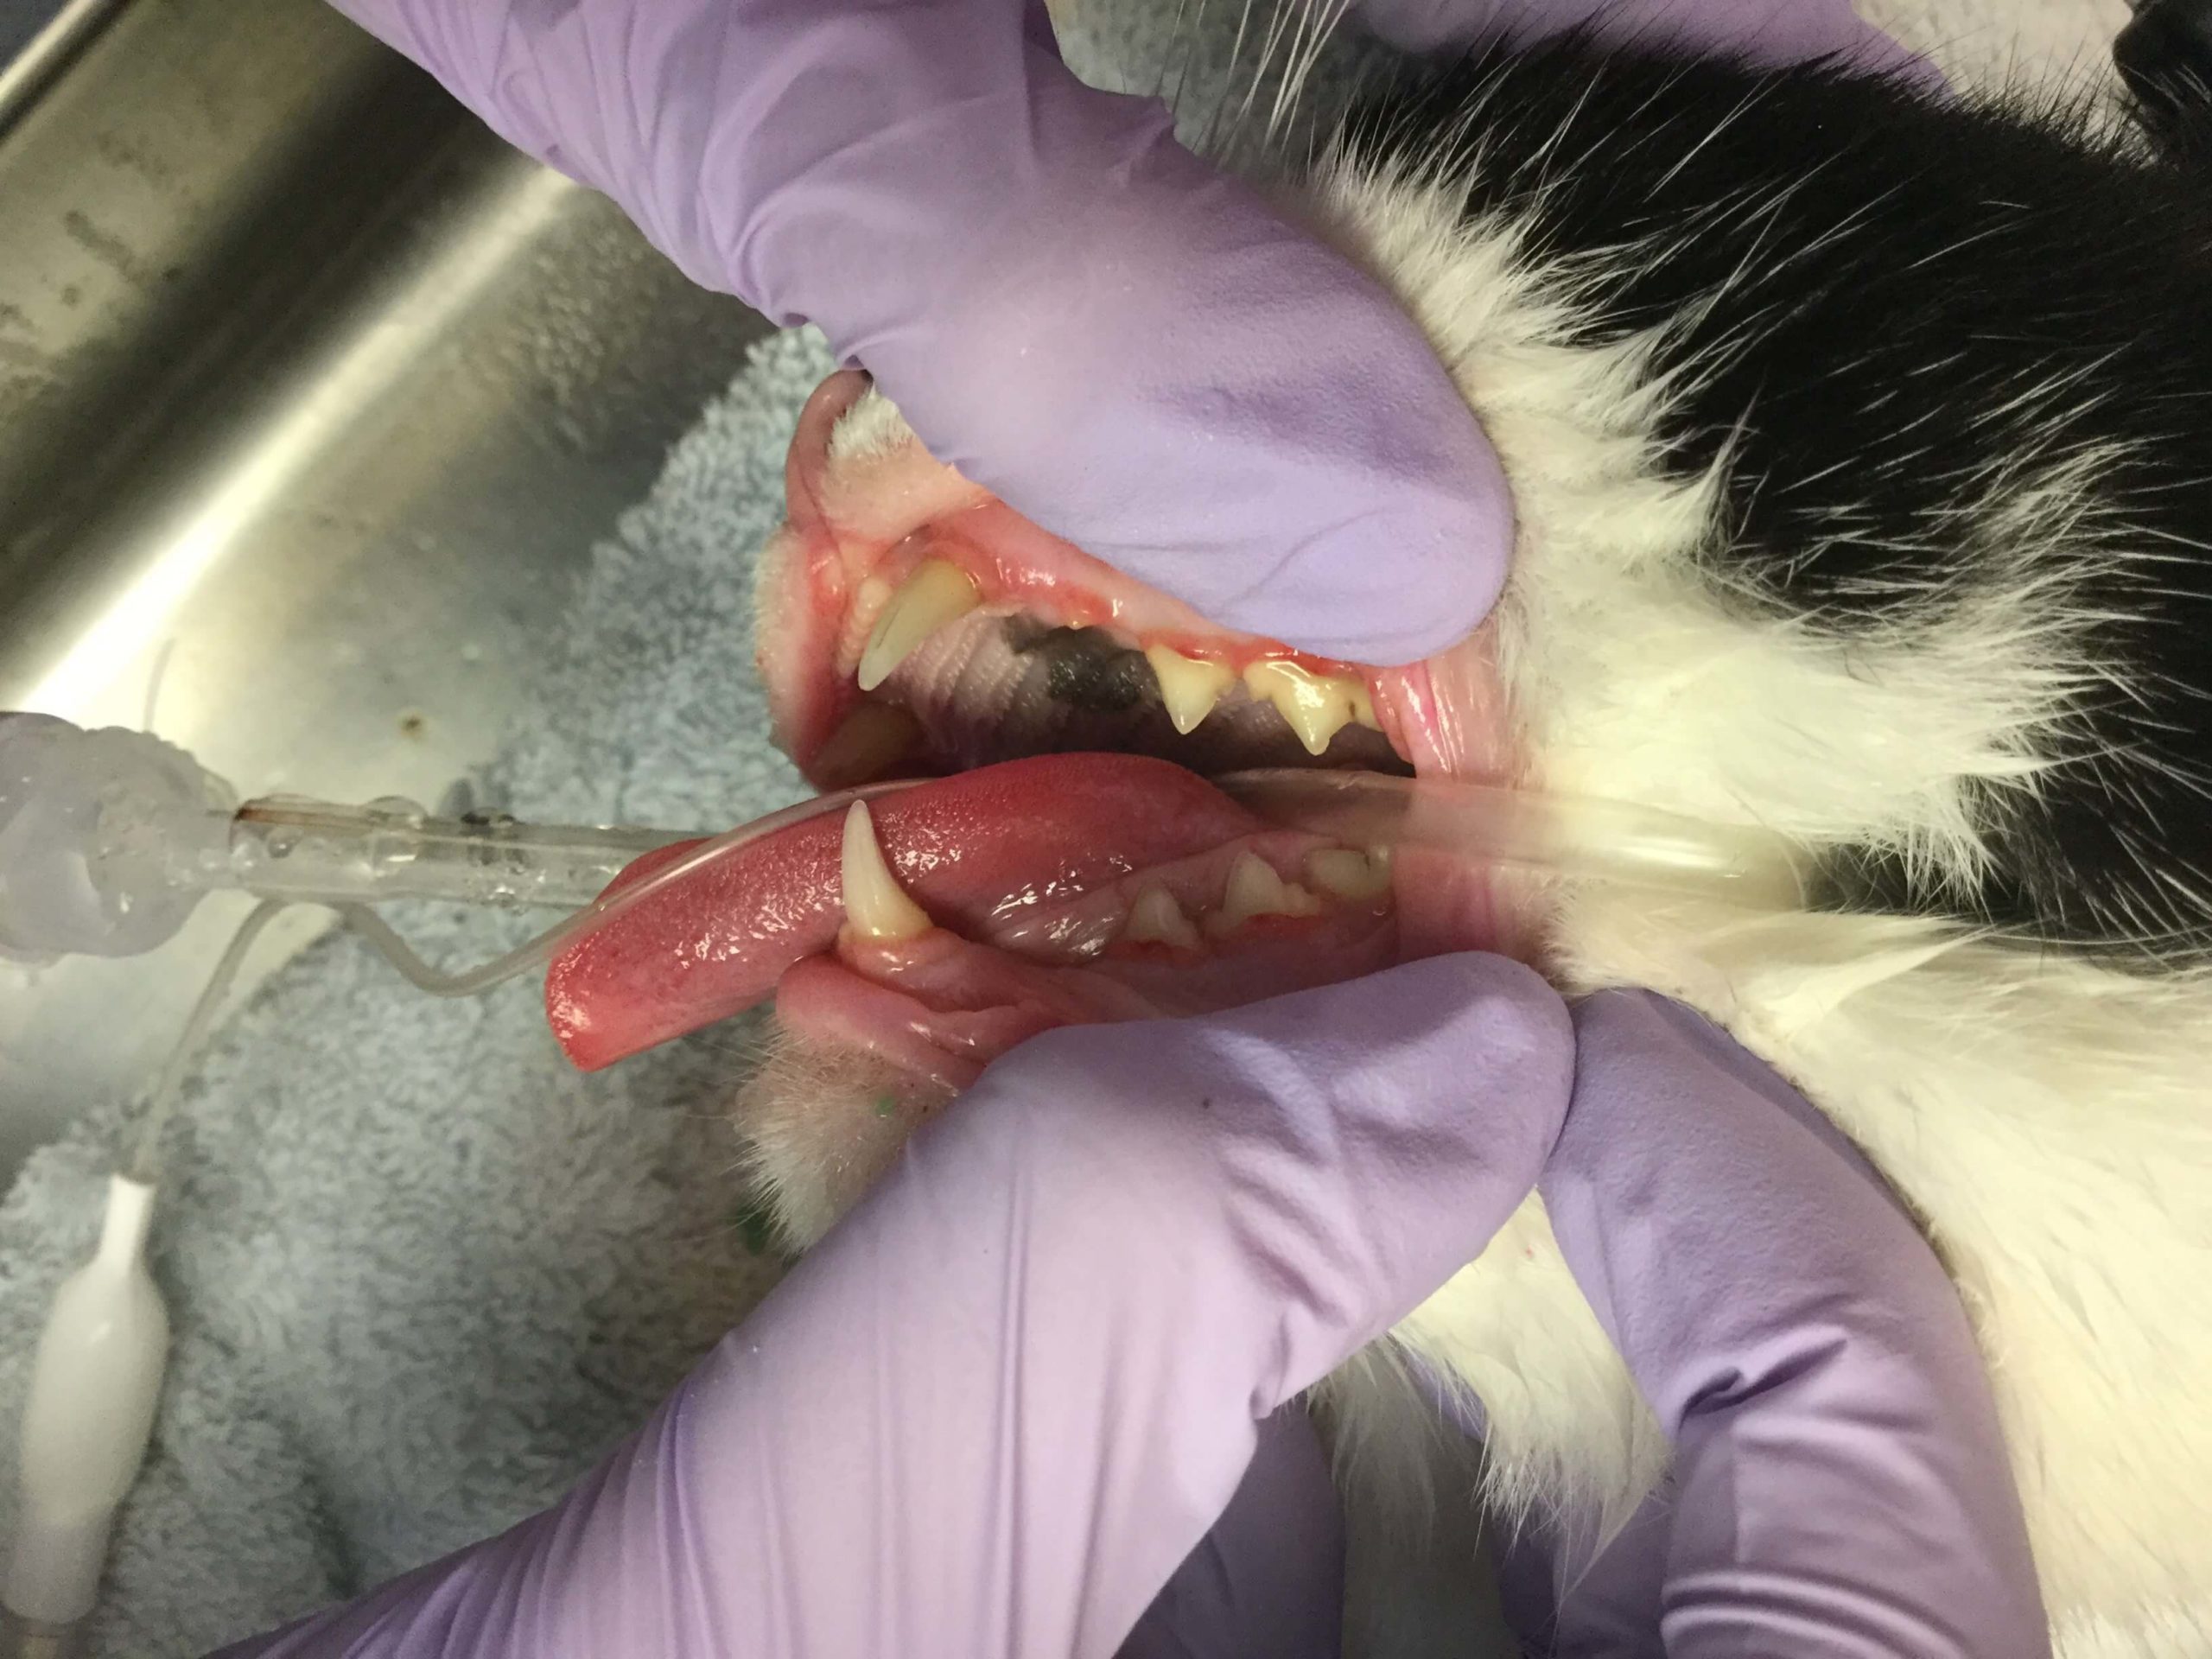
969	848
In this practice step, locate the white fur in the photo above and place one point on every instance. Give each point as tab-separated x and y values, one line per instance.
2048	1119
872	428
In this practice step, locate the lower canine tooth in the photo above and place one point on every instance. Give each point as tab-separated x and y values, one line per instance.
1156	918
1255	889
1349	872
936	594
1316	706
876	907
1188	688
872	741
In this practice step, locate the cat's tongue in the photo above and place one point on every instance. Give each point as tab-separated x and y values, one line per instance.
974	849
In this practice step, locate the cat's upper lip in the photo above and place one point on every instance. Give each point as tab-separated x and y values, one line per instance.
888	556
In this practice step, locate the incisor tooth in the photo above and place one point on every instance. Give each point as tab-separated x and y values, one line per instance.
876	907
1156	918
1189	688
1255	889
1317	706
935	595
1349	872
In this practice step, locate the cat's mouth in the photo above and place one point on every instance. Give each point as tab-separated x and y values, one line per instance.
1065	860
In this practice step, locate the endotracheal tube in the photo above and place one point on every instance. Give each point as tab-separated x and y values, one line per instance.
108	839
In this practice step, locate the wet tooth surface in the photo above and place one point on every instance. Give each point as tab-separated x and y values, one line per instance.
1316	706
870	743
1350	874
876	907
1156	918
1255	889
936	594
1188	687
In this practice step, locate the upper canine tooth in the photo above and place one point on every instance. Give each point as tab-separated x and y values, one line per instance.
876	907
1189	688
1255	889
1156	918
938	593
1349	872
1317	706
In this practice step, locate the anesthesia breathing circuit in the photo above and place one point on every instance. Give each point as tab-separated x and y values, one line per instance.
110	838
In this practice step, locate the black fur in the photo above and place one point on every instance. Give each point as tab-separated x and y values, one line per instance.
1885	302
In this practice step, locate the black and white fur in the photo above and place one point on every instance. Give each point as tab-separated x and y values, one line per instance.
1862	446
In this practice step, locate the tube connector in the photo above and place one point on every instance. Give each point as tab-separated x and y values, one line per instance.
69	800
94	1386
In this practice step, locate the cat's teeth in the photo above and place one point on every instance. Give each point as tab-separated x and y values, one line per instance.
872	741
876	907
1316	706
1350	874
1188	687
936	594
1255	889
1156	918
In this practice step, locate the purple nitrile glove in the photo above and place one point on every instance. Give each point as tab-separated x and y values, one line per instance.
1073	310
997	1407
999	1404
1127	347
1840	1487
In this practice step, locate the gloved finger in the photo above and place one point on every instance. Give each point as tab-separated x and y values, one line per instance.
1842	1485
994	1411
1568	1598
1128	347
1268	1578
1772	32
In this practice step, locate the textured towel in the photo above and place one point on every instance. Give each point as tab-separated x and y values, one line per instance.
421	1273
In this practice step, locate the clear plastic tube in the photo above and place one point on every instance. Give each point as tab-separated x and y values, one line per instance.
538	951
1575	837
347	857
146	1154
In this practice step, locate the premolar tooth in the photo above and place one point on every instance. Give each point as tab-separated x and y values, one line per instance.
876	907
1190	687
1255	889
1349	872
1316	706
1156	918
936	594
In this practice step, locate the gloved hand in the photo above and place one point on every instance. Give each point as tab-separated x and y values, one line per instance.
1840	1484
1073	310
999	1404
